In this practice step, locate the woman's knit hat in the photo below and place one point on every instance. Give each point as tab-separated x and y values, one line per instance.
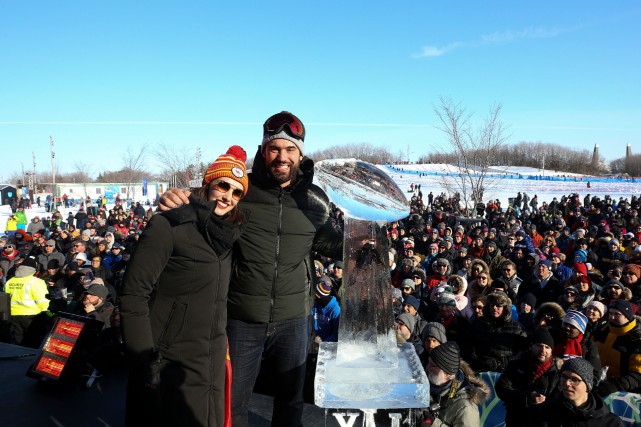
229	165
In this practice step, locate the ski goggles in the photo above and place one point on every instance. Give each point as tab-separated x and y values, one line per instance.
284	121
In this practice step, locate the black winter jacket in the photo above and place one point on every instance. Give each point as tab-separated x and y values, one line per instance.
273	272
174	302
516	385
559	412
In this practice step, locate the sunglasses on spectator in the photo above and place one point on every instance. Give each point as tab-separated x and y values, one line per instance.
283	121
482	277
497	305
507	269
224	187
477	307
407	288
618	288
572	294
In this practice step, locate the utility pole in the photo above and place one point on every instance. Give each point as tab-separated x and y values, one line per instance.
199	173
53	174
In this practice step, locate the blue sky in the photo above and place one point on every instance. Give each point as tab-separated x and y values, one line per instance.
102	77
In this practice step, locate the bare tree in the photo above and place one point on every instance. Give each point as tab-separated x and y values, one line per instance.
475	147
133	170
177	165
365	152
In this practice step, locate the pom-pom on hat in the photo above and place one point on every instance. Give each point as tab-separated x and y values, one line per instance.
229	165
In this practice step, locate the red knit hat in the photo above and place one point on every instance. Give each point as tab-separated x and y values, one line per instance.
229	165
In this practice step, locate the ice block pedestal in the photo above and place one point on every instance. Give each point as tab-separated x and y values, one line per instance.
386	387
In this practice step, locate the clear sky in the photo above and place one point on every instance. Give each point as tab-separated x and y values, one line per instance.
102	76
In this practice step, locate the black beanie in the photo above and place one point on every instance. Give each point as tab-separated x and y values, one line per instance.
582	368
529	299
542	336
447	356
624	307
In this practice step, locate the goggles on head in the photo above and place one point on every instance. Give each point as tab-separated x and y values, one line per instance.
284	121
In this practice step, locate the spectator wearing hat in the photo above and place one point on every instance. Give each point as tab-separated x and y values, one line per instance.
477	248
397	301
450	317
494	259
433	335
28	301
573	342
596	313
630	278
610	256
336	276
442	270
526	312
174	302
50	253
406	331
571	298
326	312
408	287
529	380
619	344
543	284
559	269
495	338
431	254
455	392
94	303
35	226
615	290
403	271
114	256
7	259
576	405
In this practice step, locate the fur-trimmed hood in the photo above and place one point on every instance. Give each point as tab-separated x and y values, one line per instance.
481	263
498	298
462	284
474	387
549	308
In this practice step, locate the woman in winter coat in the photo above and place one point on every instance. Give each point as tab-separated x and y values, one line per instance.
174	303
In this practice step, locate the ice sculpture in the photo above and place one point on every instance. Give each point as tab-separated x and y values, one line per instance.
366	369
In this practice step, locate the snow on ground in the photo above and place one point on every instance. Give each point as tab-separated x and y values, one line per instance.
509	180
506	181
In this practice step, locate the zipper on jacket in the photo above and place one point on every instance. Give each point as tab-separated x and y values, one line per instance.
279	232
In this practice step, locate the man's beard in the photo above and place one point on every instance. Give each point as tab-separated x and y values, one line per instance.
282	177
438	379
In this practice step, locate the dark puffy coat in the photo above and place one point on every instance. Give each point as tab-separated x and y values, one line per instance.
174	301
273	272
517	383
494	342
560	412
550	293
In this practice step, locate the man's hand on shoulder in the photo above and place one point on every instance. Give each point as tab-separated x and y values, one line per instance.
173	198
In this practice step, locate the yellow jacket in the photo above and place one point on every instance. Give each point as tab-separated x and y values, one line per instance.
12	224
27	295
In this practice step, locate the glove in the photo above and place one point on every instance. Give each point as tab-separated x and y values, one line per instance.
605	389
489	364
151	376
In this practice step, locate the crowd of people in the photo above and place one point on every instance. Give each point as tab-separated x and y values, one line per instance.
546	295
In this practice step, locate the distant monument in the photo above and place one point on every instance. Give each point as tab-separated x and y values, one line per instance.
595	155
628	152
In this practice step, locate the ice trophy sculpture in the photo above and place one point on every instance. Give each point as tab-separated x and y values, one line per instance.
366	369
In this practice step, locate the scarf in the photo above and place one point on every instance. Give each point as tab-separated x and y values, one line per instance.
569	348
220	233
540	368
448	321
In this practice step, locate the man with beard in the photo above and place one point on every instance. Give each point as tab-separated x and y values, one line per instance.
455	392
529	380
268	303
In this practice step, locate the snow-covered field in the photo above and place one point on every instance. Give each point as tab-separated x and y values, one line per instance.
506	181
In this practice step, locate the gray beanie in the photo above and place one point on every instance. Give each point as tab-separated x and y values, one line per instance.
284	135
447	356
408	320
435	330
582	368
